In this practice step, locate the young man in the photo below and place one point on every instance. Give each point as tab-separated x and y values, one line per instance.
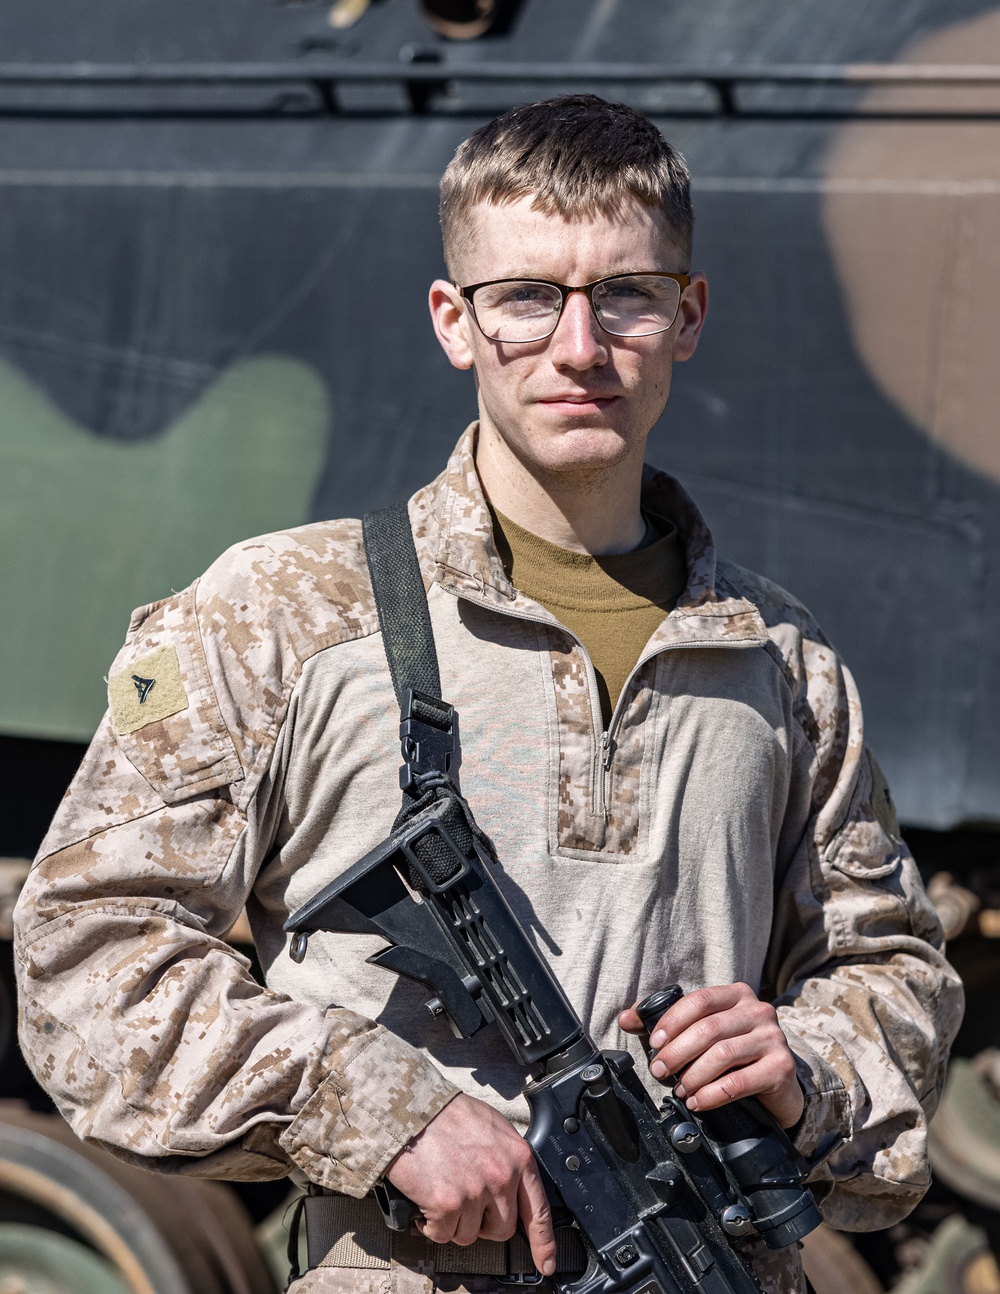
666	751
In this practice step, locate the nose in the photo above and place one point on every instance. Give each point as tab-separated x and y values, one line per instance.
579	341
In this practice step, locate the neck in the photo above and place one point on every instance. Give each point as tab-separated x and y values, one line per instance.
589	510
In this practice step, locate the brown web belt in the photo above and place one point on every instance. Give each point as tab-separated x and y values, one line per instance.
345	1232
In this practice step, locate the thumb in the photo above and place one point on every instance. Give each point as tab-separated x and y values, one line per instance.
629	1021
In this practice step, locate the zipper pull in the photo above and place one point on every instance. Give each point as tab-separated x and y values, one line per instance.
602	773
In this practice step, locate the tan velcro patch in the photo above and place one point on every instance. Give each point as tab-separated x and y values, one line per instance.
148	689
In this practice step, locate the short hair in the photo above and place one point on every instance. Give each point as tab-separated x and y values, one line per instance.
579	156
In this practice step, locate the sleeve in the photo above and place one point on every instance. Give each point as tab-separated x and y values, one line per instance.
146	1028
864	994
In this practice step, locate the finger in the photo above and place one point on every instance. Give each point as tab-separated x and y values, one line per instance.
441	1221
629	1021
677	1056
695	1006
500	1218
748	1081
470	1223
440	1230
533	1206
725	1055
770	1080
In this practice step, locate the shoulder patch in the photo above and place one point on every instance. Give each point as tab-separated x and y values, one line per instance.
148	689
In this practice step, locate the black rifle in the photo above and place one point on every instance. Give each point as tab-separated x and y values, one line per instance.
655	1194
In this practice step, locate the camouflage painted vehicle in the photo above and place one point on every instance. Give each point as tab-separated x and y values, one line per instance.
213	317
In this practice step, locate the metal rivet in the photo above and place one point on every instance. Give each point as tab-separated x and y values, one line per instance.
685	1137
736	1220
571	1125
591	1073
626	1255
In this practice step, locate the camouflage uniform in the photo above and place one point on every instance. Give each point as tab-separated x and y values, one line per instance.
732	815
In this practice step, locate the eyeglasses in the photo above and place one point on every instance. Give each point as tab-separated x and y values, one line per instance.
625	305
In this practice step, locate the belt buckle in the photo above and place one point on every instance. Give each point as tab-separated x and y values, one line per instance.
521	1278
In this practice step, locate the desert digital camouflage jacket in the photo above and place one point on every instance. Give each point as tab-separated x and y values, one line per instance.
730	825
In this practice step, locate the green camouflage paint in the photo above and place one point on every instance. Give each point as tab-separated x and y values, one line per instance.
92	527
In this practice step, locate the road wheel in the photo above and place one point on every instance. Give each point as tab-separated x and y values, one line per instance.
162	1234
34	1260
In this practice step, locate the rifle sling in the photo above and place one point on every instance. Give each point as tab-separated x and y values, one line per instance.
401	602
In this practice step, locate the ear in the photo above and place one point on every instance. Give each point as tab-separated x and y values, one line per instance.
690	317
452	324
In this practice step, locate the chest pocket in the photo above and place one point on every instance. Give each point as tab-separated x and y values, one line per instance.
164	707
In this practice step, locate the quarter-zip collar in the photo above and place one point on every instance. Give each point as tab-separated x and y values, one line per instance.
454	537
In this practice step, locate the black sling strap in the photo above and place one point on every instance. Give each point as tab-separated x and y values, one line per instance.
427	723
401	602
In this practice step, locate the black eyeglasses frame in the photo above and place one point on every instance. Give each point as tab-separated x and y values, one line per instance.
566	289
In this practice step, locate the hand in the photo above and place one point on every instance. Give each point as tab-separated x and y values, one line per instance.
471	1175
724	1043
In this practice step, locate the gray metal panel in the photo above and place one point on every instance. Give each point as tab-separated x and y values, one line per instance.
145	258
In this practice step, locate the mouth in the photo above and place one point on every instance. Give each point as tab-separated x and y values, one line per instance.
578	403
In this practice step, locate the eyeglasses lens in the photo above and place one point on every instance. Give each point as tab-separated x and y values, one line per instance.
524	311
517	311
638	305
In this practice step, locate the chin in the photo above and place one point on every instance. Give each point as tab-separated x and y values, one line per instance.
594	432
583	447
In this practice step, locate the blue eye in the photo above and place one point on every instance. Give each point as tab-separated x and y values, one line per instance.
527	294
626	290
518	298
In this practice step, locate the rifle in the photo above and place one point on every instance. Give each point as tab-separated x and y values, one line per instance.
657	1196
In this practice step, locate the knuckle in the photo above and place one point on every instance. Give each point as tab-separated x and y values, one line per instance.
787	1065
523	1156
778	1045
447	1204
706	1032
542	1219
497	1178
543	1214
734	1086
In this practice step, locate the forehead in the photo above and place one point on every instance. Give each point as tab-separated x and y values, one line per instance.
512	240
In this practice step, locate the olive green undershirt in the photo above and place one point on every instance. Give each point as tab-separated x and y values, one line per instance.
612	604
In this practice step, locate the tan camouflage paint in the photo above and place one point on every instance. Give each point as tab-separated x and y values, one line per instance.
911	210
154	1040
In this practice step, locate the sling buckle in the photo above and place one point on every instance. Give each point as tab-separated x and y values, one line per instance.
428	737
